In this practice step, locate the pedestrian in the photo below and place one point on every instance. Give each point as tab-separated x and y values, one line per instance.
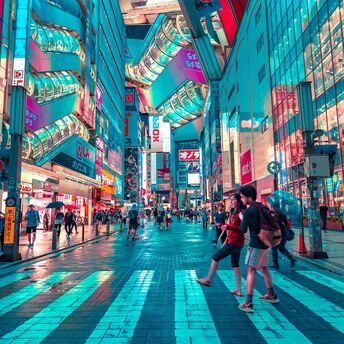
155	214
257	252
323	209
168	218
178	214
45	221
160	219
74	223
284	225
133	222
58	220
205	218
232	247
220	220
32	221
68	222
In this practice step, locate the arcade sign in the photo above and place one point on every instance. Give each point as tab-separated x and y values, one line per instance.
188	154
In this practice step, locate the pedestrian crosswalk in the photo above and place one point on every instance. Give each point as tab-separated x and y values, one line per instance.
194	317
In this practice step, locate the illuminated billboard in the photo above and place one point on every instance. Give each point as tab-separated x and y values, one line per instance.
194	179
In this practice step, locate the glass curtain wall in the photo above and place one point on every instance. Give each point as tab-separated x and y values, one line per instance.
306	44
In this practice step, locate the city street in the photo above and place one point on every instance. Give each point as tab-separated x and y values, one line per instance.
145	291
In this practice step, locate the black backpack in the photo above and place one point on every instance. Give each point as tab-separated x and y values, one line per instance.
133	214
270	233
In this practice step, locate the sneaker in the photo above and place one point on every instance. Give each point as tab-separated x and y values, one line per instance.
274	266
292	262
246	307
270	298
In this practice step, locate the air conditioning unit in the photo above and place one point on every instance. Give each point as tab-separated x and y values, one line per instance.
318	166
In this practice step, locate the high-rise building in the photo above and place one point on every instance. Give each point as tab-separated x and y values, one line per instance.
69	58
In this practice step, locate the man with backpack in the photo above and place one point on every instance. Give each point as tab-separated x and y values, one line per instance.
287	235
257	251
133	221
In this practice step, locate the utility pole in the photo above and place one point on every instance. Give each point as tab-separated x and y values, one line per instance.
22	15
309	133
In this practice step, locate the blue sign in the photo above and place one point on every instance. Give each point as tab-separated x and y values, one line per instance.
206	7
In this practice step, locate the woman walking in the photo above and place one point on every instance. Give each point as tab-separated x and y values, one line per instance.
232	247
58	221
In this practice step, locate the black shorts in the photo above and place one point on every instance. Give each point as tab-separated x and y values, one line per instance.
133	224
228	250
31	229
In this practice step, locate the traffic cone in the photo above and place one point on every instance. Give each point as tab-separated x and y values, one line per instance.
300	245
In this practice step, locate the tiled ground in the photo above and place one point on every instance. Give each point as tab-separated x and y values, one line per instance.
144	291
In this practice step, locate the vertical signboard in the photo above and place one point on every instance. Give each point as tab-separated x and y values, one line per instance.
156	134
10	216
245	167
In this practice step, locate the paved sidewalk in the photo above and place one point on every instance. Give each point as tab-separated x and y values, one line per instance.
43	243
333	244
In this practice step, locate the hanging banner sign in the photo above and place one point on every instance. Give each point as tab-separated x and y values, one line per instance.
10	216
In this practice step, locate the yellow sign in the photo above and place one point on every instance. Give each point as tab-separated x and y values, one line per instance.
9	225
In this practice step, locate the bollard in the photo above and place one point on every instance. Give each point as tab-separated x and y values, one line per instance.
83	232
54	238
107	229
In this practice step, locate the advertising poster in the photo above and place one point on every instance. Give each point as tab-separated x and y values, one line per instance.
131	171
131	129
246	167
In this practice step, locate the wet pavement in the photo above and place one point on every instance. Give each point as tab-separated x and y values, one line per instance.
145	291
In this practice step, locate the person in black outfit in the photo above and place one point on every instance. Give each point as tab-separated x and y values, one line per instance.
323	209
283	222
68	222
220	219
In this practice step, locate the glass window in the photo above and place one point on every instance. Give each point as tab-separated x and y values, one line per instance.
338	61
258	14
260	43
328	71
304	14
325	40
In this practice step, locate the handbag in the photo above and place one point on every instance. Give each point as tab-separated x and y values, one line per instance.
289	234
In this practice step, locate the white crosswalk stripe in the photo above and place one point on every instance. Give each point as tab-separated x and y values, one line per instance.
21	296
119	322
272	325
324	280
191	309
56	312
316	303
13	278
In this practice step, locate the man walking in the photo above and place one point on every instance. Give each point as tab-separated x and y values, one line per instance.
257	253
32	221
323	209
205	218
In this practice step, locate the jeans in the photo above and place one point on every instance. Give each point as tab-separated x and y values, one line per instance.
281	247
205	224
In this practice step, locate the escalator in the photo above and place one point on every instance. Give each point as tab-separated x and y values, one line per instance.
42	145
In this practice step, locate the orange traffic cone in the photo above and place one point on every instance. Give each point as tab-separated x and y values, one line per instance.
301	243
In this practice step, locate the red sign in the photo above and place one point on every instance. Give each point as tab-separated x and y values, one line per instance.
99	98
246	167
129	98
2	165
188	154
100	144
18	74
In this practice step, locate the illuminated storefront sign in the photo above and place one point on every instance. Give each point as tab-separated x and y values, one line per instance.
99	98
25	188
188	154
108	182
115	160
79	156
100	144
246	167
155	125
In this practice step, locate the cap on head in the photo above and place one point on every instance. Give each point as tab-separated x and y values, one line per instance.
31	206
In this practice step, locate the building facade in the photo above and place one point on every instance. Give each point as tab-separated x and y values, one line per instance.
306	44
64	57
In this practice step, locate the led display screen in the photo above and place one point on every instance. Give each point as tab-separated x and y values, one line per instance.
194	179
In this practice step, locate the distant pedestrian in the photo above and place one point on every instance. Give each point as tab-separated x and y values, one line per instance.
205	218
220	220
232	247
284	225
32	221
45	221
168	218
74	223
257	252
323	209
133	222
58	220
68	222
